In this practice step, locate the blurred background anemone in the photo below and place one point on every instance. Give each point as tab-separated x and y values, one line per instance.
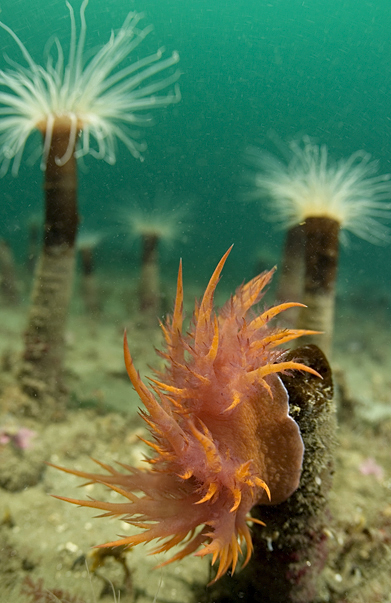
157	222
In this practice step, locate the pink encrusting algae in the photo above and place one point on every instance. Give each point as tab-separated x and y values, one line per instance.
223	440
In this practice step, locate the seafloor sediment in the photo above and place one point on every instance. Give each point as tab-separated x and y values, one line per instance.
41	537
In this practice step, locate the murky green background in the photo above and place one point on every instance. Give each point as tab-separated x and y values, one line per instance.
250	67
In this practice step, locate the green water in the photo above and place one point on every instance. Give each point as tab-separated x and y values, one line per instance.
289	67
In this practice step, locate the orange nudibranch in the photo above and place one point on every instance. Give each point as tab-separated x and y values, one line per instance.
222	438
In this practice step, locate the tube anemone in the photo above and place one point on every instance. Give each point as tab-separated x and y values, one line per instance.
95	99
80	107
156	222
328	198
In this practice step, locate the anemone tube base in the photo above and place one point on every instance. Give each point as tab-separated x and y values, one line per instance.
42	364
291	550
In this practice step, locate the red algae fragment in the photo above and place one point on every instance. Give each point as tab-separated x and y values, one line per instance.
222	438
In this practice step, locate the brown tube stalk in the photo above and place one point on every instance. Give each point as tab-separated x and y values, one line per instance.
8	281
290	284
89	288
321	262
42	366
149	287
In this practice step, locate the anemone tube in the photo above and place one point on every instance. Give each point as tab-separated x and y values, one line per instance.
291	279
41	369
89	286
8	281
321	262
149	286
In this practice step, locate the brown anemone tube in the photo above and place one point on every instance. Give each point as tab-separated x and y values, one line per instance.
291	550
89	286
42	365
291	279
149	287
87	260
321	261
8	282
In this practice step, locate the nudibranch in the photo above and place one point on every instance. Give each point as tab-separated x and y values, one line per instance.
222	437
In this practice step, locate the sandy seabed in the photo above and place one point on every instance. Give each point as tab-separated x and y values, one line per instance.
44	538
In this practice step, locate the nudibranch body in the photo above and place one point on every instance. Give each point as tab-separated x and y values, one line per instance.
223	440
